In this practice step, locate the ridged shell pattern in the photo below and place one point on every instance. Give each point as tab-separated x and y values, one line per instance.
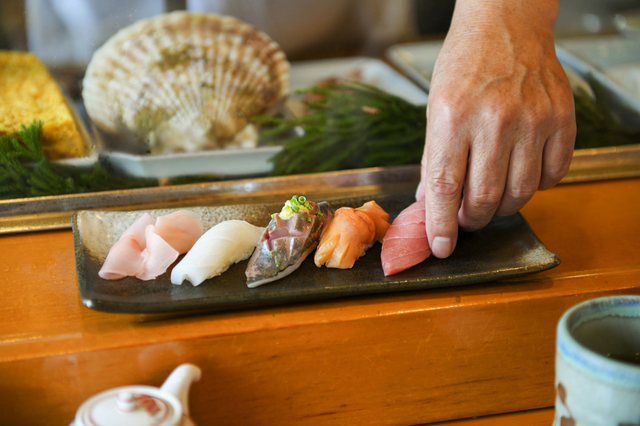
184	82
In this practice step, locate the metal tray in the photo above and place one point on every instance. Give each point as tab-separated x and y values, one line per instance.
54	212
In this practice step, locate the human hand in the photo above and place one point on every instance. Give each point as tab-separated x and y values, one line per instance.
500	117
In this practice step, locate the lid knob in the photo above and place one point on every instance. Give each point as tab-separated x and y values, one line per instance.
126	402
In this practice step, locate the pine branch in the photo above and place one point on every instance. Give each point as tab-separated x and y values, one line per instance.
25	171
354	125
349	125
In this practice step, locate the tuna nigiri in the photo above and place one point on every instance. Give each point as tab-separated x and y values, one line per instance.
220	247
350	234
405	244
289	238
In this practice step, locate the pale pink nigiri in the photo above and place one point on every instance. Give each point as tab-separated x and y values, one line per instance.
350	234
149	246
405	244
180	229
125	256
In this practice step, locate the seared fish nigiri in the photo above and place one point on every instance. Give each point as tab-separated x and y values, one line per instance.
289	238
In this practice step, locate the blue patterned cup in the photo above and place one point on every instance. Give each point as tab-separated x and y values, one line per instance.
598	363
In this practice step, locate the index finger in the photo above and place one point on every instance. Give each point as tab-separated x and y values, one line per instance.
444	166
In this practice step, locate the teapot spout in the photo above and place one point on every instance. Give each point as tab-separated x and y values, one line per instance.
179	381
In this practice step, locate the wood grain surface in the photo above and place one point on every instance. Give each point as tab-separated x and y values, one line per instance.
397	359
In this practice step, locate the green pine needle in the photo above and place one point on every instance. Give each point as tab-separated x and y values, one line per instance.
350	125
25	171
340	134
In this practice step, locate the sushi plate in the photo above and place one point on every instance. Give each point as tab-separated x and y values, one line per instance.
505	248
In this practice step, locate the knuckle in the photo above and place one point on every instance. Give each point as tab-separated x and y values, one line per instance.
539	116
553	175
444	186
521	194
499	115
447	111
484	199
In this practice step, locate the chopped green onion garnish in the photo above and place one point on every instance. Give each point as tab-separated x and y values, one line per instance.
272	253
278	263
302	198
319	214
308	219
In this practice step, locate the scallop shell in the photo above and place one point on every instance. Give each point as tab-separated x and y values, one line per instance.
183	82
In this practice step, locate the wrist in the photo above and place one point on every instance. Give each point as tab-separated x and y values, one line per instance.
536	18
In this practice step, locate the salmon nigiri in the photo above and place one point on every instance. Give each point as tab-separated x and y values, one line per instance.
350	234
405	244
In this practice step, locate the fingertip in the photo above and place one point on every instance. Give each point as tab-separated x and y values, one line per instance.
442	247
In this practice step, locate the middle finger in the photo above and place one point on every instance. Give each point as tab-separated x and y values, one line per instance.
485	181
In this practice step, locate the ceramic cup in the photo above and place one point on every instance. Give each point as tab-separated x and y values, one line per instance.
597	367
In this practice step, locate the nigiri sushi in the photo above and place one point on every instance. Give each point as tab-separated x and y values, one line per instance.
148	246
405	244
125	256
350	234
289	238
379	216
220	247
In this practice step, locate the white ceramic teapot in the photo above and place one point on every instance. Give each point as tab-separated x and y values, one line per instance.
142	405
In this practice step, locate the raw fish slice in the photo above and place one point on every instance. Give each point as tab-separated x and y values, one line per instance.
286	243
226	243
180	229
124	259
405	244
379	216
144	253
345	239
137	229
158	255
125	256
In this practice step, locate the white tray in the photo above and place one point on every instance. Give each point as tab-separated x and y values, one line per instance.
372	71
613	61
255	161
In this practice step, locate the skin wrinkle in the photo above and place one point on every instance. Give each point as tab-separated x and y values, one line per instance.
500	113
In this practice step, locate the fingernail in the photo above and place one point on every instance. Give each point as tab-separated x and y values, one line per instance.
441	247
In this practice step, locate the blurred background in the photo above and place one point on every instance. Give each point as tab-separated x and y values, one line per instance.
64	33
67	31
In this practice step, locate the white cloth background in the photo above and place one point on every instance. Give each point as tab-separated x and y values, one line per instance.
69	31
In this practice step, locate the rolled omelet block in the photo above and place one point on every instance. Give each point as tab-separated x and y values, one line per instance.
28	92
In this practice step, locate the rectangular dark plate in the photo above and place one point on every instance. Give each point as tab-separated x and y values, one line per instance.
505	248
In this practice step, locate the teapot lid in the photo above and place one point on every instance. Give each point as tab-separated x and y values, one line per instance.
130	406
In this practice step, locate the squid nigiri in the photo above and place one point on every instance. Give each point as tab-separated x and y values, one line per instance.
350	234
289	238
220	247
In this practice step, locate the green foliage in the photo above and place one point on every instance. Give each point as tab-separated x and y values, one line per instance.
597	125
341	132
349	125
25	171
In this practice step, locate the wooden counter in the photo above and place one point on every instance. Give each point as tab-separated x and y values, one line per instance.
397	359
